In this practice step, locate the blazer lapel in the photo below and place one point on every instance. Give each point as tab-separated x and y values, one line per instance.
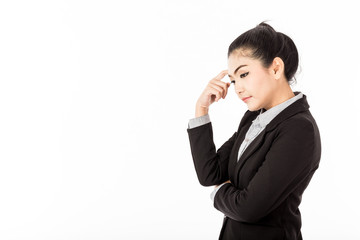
253	146
298	106
243	128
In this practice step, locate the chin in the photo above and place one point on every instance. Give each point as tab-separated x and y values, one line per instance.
253	108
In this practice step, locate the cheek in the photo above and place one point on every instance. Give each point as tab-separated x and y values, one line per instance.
255	85
260	84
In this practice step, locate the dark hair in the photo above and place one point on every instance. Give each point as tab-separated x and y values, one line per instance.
265	44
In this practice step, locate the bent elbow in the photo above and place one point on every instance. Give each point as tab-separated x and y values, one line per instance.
206	182
210	180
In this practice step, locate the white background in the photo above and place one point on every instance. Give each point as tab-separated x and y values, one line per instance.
95	97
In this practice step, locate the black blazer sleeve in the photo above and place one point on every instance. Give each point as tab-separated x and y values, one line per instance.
211	166
289	163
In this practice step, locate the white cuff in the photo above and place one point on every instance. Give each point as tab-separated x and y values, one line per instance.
199	121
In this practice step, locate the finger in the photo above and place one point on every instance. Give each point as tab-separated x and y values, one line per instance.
215	92
227	88
221	75
218	88
221	84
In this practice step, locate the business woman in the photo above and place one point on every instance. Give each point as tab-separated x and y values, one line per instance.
261	172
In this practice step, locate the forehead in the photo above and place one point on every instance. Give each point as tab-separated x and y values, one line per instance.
241	57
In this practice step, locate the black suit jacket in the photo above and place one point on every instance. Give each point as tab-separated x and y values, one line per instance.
268	181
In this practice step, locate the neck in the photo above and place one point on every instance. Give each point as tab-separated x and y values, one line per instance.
282	93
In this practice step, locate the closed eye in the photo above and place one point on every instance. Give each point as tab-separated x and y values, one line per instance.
244	75
233	81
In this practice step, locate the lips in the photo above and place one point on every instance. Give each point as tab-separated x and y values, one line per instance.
245	98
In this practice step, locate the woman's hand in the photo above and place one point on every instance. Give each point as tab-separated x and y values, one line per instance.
228	181
213	92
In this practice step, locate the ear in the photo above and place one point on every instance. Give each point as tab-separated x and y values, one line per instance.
278	68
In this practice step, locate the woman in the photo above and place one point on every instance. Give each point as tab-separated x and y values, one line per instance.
261	172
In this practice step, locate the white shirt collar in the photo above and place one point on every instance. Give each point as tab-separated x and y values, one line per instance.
265	118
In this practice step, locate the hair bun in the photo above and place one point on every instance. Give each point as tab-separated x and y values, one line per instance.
264	24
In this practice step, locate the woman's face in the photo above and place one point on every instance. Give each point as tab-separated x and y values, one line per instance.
254	84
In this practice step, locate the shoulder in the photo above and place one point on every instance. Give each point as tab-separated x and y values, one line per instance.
299	125
298	136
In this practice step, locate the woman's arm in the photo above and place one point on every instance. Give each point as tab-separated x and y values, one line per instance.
211	166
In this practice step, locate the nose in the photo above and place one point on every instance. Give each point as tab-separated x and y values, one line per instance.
239	88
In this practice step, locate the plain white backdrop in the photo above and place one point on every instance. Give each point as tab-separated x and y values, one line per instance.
95	97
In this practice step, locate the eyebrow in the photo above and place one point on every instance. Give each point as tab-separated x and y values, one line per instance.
237	69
